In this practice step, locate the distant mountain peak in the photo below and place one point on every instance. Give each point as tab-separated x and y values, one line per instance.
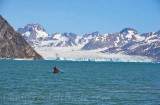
38	26
93	34
129	30
33	31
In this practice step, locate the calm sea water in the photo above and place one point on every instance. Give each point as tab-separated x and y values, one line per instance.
82	83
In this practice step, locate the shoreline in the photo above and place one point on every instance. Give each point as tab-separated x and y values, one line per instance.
79	60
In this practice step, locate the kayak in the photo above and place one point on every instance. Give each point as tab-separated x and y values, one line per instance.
58	72
55	72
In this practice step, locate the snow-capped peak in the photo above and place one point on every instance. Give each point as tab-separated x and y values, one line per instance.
93	34
34	31
129	31
60	37
131	34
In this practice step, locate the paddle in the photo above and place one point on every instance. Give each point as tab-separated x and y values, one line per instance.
61	71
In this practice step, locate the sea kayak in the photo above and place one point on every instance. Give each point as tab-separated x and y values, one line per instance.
55	72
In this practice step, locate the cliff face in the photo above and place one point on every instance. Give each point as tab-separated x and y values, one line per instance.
13	45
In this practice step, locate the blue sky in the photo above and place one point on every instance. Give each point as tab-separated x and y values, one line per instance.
83	16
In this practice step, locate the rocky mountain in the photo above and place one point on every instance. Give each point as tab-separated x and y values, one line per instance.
119	39
63	40
149	47
33	33
128	41
36	35
13	45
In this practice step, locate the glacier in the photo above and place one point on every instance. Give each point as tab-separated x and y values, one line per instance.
74	54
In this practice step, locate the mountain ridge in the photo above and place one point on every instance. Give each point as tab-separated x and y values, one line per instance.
119	42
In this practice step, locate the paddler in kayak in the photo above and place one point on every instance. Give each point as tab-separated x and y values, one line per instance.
55	70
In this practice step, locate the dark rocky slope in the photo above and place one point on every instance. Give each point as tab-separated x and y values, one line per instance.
13	45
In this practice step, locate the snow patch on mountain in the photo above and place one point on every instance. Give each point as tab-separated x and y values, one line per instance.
152	39
41	33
